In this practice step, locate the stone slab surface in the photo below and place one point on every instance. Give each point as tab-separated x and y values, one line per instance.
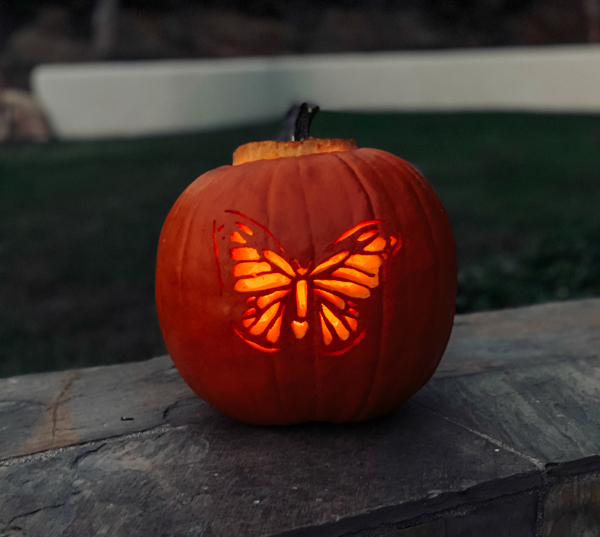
53	410
509	517
506	423
573	508
242	480
529	378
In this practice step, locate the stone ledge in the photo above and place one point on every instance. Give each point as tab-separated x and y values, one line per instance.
504	440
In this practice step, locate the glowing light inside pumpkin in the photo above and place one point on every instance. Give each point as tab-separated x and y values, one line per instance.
273	333
334	299
279	262
345	349
368	263
302	271
299	328
333	260
354	229
253	344
261	283
265	300
238	213
396	242
337	324
301	298
352	322
265	319
245	228
236	237
244	254
347	288
327	337
376	246
270	277
358	277
366	235
250	268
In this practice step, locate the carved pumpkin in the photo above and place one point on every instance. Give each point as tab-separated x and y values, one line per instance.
309	281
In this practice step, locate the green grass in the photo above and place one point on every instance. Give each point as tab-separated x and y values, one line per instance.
522	192
79	222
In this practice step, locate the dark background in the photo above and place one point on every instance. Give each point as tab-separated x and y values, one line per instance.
33	32
79	221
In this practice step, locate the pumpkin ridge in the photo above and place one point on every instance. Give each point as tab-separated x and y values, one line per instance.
306	209
357	176
381	184
317	390
398	164
181	256
434	241
279	391
258	224
217	260
359	182
237	196
349	202
298	171
272	205
271	201
278	181
437	250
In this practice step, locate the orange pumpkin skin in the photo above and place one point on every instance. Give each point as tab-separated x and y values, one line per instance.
298	207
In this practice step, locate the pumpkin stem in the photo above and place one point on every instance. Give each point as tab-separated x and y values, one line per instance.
296	125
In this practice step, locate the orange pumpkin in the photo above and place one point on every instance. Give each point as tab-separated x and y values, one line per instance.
309	281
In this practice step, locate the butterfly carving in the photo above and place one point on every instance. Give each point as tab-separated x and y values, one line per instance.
279	291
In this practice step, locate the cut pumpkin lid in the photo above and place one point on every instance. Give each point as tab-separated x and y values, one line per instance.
270	149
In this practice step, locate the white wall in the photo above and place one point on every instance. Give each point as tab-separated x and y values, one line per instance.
142	98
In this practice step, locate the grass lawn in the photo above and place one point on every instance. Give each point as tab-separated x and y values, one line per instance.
79	222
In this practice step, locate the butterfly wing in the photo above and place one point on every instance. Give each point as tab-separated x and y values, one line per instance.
338	285
265	278
348	277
